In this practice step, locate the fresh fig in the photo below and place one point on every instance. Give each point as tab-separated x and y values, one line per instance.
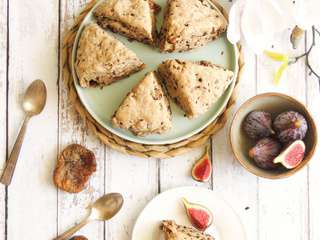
202	169
292	156
290	126
264	152
199	216
258	124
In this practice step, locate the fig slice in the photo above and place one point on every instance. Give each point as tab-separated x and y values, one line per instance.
292	156
199	216
202	169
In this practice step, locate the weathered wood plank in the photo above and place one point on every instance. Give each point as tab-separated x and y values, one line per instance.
235	184
71	207
313	100
33	54
137	180
283	203
3	107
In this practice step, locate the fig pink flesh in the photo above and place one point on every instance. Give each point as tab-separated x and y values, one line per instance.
294	157
203	170
200	218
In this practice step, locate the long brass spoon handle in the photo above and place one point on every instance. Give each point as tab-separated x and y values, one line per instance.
14	155
67	234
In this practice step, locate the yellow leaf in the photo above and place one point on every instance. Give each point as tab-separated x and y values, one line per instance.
280	71
277	56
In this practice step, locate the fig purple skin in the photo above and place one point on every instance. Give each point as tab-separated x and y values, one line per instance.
258	124
264	152
290	126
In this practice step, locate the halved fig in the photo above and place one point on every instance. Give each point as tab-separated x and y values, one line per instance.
202	169
292	156
199	216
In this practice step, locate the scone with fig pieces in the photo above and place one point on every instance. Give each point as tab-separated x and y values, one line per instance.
135	19
173	231
195	86
102	59
74	167
146	109
190	24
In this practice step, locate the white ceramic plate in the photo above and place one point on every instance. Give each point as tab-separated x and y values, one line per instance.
168	206
102	103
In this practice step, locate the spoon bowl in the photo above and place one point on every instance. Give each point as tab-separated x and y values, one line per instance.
102	210
107	206
35	98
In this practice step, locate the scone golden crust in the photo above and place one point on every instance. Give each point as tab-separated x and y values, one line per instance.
190	24
74	167
102	59
135	19
195	86
173	231
146	109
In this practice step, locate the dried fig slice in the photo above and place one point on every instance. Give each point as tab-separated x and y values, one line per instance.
79	238
74	167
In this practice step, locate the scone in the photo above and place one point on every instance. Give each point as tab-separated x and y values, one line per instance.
135	19
173	231
190	24
145	110
102	59
195	86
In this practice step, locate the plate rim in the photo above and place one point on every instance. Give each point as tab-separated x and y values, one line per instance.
135	139
190	188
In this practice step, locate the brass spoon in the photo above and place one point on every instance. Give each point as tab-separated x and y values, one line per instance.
102	209
33	103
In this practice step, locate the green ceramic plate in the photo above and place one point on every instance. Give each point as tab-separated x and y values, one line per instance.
102	103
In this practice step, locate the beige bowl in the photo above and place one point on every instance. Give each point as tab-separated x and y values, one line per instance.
275	103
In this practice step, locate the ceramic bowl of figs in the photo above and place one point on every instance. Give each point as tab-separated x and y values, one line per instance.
273	135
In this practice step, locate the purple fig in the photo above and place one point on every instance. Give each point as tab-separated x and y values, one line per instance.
264	152
258	124
290	126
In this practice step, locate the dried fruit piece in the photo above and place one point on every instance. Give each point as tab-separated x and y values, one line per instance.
202	169
290	126
199	216
258	125
292	156
264	152
79	238
74	167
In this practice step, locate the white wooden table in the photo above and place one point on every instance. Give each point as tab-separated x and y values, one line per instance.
32	208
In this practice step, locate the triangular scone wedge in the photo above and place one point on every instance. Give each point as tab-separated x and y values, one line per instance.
136	19
173	231
190	24
102	59
195	86
146	109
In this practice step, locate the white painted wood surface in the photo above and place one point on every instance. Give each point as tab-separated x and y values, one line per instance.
35	209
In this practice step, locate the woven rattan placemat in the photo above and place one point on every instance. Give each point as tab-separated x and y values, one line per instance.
120	144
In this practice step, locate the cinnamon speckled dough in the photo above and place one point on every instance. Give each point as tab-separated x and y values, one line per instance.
74	167
190	24
173	231
195	86
146	108
102	59
135	19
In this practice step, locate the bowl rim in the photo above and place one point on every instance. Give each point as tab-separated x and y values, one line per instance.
307	158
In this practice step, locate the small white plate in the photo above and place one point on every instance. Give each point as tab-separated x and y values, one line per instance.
168	206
